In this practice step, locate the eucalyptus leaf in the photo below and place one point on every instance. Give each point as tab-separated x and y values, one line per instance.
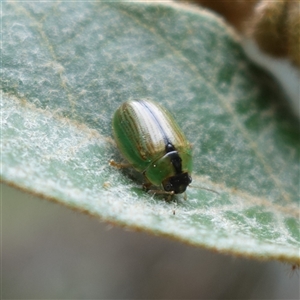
68	66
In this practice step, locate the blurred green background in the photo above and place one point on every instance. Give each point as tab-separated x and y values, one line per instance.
49	251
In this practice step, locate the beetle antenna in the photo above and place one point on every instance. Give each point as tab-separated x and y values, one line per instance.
202	188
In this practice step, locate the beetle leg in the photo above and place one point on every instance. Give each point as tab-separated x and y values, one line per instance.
170	196
146	186
161	192
118	165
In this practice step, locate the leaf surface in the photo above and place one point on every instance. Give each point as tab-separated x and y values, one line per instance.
68	66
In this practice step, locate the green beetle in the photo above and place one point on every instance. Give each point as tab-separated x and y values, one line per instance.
152	142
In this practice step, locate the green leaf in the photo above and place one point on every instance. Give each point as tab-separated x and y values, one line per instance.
68	66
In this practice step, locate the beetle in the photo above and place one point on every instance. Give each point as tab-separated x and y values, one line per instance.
152	142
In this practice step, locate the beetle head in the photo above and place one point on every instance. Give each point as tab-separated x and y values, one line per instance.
177	183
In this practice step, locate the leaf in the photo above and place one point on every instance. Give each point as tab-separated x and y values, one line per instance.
66	69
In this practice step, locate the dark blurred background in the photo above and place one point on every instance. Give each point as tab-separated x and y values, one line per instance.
49	251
